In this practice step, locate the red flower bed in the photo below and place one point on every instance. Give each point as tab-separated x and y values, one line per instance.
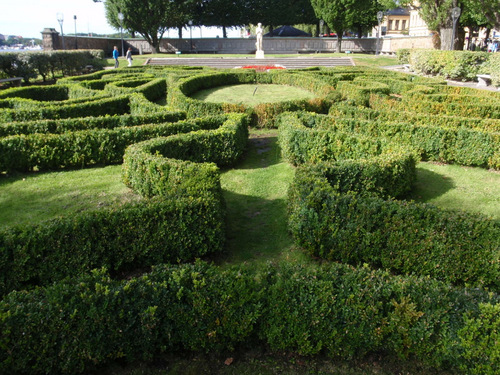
262	68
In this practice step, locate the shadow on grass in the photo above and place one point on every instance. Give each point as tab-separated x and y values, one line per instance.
262	151
429	185
256	228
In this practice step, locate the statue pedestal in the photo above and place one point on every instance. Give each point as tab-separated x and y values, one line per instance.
259	54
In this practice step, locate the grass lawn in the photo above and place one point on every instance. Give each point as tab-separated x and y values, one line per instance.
457	187
34	197
252	94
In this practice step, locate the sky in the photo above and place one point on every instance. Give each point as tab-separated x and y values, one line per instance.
27	18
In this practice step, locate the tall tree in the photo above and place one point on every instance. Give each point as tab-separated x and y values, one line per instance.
150	18
342	15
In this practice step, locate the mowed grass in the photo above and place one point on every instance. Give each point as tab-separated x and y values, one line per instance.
252	94
255	192
459	188
35	197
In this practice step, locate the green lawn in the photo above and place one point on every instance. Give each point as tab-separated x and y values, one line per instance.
34	197
252	94
457	187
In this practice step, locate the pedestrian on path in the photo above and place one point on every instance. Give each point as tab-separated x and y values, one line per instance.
129	56
116	54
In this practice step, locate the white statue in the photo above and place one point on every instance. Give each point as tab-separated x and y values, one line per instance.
258	31
259	54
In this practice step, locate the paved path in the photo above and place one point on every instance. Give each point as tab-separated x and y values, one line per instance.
230	62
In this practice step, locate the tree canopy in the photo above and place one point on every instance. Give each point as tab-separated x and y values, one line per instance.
342	15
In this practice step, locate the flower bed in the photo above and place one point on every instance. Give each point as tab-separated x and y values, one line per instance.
261	68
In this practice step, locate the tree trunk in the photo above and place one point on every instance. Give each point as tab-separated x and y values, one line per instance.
224	32
180	32
339	42
446	35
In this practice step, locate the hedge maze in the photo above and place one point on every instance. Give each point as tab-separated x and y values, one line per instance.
397	277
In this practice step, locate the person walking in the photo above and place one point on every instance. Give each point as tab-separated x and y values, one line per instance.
129	56
116	54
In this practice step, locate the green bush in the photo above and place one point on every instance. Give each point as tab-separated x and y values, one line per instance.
107	106
79	324
264	114
449	64
82	148
405	237
39	93
76	326
166	166
479	337
86	123
31	64
124	239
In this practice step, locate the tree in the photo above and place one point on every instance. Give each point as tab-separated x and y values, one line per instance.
221	13
150	18
342	15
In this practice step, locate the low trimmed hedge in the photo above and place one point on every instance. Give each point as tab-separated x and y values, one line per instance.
263	115
107	106
301	142
164	166
124	239
82	148
414	118
313	137
405	237
85	123
77	325
39	93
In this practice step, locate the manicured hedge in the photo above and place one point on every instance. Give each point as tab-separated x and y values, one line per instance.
78	324
107	106
166	165
263	115
40	93
85	123
301	142
82	148
331	217
123	239
414	118
312	137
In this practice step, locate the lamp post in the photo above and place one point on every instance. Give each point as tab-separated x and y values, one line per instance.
76	40
120	18
60	19
190	23
380	16
455	13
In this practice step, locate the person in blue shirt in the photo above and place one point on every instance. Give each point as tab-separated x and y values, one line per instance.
116	54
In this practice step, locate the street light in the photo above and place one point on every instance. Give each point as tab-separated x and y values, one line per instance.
380	16
60	19
76	40
190	23
455	13
120	18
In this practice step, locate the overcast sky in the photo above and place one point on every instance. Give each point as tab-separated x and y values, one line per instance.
28	18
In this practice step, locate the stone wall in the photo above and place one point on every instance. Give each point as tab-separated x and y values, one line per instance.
52	40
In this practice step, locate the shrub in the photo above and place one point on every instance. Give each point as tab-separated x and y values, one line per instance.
123	239
81	148
405	237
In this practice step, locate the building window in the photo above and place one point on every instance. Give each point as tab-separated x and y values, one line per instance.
389	27
396	27
403	24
